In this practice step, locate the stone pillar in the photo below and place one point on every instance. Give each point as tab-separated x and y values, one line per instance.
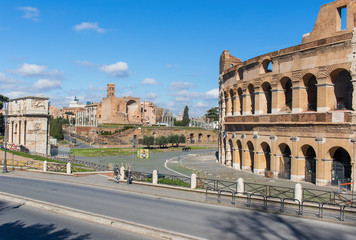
193	181
45	166
298	192
246	104
259	166
246	166
297	174
122	173
237	104
277	99
69	168
228	106
323	166
260	102
236	158
155	177
240	186
300	100
326	98
276	165
353	81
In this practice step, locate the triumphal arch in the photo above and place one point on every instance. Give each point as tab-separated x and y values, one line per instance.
291	113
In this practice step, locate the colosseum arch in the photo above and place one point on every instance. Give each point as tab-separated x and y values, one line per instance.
240	93
267	90
343	89
231	148
286	84
251	91
241	73
231	93
310	163
310	84
284	161
266	66
266	163
250	156
341	165
239	152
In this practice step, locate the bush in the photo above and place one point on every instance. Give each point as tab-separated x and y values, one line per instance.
161	141
148	140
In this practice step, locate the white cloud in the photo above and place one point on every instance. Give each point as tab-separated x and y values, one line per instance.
187	94
47	84
212	94
119	69
201	105
86	63
4	79
30	13
89	26
182	99
33	70
180	85
151	96
149	81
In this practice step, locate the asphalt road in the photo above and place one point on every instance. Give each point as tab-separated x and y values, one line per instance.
196	219
23	222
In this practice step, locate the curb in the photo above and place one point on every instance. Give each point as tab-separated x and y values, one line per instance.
97	218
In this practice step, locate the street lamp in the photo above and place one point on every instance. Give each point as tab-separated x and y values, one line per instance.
4	170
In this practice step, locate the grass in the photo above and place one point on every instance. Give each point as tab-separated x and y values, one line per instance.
64	142
95	152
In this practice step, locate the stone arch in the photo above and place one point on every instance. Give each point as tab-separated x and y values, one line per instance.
240	93
230	157
286	84
341	165
241	73
310	163
311	90
284	161
231	94
266	66
191	137
251	91
250	156
132	110
200	137
267	90
343	89
266	163
239	151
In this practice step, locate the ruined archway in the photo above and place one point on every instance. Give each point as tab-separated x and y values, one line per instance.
343	89
286	84
267	90
239	92
310	163
266	164
232	102
250	158
239	153
284	161
341	167
251	91
310	84
132	110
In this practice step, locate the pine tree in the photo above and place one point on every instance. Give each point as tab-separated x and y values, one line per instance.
186	119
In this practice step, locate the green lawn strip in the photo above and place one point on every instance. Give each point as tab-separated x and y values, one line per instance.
39	158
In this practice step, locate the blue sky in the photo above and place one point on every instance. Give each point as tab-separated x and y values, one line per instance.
164	51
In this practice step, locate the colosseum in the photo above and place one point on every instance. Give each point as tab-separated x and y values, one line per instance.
290	113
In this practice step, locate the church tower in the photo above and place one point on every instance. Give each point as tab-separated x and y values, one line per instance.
111	90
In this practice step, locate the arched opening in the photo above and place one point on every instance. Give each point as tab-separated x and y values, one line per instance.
266	66
232	102
285	162
310	164
341	169
343	89
239	154
251	156
132	110
226	98
312	91
239	92
231	146
267	89
241	73
251	90
287	88
267	154
200	136
191	138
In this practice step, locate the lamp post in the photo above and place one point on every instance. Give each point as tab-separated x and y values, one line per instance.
4	170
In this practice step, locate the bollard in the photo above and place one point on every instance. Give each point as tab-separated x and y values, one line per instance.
298	192
45	166
193	181
155	177
69	168
240	186
122	173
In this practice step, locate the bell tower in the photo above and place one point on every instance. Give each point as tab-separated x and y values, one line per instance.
111	90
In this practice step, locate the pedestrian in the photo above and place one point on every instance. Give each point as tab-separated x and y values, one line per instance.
128	176
116	174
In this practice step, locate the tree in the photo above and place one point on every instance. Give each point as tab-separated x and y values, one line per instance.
213	113
148	140
186	119
2	120
55	129
182	139
161	141
173	139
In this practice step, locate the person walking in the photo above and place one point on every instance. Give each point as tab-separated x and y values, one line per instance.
116	174
128	176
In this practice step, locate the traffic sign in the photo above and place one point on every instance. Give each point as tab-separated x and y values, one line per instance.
13	147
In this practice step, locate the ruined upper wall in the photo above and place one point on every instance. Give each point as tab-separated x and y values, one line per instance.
227	61
328	23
